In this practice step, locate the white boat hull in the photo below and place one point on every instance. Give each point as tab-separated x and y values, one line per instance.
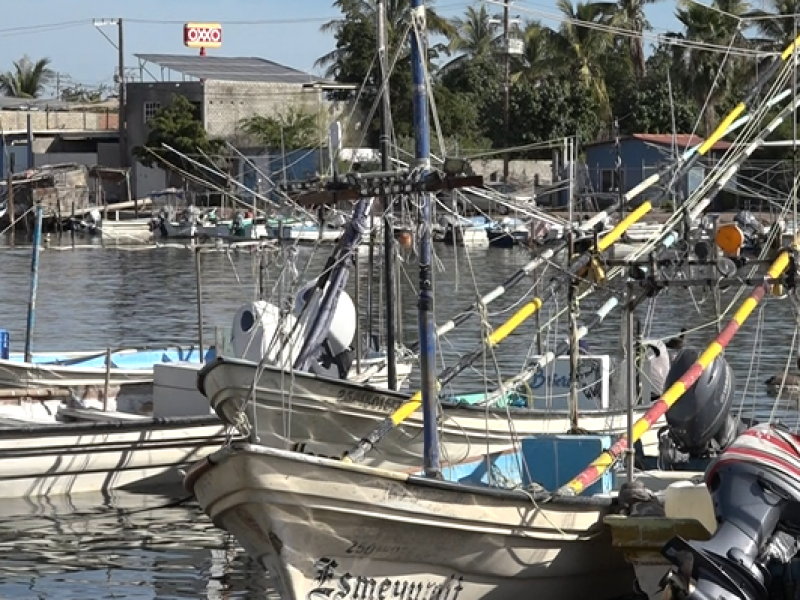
328	529
60	458
330	416
129	390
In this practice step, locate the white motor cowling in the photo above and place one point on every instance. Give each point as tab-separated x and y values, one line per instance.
343	324
258	331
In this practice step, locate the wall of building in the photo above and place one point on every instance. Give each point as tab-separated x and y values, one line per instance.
84	120
143	98
523	172
228	102
639	161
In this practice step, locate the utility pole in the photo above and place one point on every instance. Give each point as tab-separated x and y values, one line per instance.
123	130
388	225
506	86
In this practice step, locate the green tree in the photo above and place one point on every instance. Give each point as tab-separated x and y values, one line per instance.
473	36
657	101
178	125
353	60
630	15
579	46
27	79
290	130
777	25
711	76
81	93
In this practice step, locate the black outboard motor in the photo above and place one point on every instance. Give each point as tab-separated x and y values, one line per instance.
700	424
755	488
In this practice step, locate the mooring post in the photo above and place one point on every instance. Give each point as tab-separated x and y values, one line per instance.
37	240
107	385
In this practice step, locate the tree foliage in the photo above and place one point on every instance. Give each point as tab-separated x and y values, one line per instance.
178	125
290	130
28	79
591	71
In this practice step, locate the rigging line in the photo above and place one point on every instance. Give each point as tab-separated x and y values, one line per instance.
422	43
501	333
705	193
755	357
771	238
659	408
715	83
785	373
644	35
383	87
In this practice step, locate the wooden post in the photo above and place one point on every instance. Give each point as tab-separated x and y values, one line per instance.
108	379
10	208
72	226
199	280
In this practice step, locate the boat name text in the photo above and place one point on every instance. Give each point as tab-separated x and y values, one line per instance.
368	398
333	586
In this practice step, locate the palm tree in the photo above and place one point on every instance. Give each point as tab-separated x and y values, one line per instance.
779	24
362	16
580	44
537	61
709	74
291	130
28	79
476	34
630	15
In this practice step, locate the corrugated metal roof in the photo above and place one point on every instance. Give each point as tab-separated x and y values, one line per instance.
229	68
682	140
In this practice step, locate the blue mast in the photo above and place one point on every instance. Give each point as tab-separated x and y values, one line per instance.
427	328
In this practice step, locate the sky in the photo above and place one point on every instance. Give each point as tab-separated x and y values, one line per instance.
284	31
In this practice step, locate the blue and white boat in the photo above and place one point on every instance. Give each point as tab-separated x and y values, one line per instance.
123	383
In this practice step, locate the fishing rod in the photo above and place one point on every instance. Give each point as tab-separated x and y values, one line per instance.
607	459
497	336
586	227
705	197
218	173
585	260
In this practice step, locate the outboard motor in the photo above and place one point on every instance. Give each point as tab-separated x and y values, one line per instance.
755	488
655	366
750	227
700	424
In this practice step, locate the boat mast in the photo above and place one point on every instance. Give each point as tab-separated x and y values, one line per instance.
427	329
37	241
388	202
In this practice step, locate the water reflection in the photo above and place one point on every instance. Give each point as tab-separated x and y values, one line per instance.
120	546
90	299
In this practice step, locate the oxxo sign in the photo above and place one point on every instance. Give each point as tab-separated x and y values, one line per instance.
202	35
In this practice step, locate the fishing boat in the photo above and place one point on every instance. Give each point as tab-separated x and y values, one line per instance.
118	380
479	529
329	415
76	449
508	232
324	527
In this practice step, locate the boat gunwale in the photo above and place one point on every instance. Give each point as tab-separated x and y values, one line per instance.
515	411
121	426
197	470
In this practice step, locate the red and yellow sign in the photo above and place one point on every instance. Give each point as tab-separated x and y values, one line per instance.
202	35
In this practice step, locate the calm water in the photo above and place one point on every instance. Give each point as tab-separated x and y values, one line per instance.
89	299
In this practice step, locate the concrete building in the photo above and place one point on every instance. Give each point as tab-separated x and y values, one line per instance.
225	90
60	132
643	154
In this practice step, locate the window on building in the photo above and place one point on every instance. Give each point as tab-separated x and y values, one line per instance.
150	109
608	180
